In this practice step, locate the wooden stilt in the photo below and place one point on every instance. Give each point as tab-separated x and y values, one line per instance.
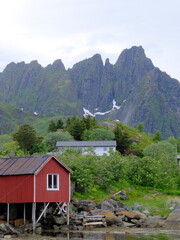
67	213
24	213
34	216
45	210
46	206
8	210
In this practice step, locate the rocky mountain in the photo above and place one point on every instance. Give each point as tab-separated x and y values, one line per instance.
11	118
132	90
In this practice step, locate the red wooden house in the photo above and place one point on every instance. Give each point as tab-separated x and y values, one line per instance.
35	179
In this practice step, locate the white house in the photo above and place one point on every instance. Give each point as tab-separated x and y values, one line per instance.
99	147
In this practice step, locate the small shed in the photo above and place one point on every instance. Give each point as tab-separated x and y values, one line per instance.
35	179
99	147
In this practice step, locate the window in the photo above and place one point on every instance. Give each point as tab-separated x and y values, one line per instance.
52	182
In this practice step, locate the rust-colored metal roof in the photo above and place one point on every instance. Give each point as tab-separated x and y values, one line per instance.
25	165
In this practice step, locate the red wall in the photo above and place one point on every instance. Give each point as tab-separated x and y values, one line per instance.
20	189
44	195
16	189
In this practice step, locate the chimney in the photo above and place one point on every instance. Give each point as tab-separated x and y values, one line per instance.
11	154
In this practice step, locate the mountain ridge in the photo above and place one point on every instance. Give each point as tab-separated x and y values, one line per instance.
142	92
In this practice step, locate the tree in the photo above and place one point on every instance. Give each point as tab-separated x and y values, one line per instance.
89	122
75	127
12	147
157	136
140	127
160	150
59	124
52	127
122	139
98	134
26	138
52	138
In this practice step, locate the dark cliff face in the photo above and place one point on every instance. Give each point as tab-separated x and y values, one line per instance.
86	77
142	92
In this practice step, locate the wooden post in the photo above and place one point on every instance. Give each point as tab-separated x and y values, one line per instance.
34	217
42	212
24	213
45	210
8	210
67	213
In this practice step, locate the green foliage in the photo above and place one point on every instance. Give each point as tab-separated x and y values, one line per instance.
5	138
83	167
122	139
90	122
52	127
52	138
141	171
59	124
11	147
98	134
158	171
39	148
75	127
160	149
140	127
157	136
26	138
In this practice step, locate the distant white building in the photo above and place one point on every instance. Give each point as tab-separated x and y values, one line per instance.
99	147
178	159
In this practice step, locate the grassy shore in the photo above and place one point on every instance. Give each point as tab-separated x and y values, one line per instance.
153	200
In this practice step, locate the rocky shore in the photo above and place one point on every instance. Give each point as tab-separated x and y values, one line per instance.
88	215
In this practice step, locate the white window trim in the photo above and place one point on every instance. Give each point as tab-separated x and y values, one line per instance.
52	189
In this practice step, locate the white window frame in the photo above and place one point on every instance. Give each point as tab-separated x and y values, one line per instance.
52	188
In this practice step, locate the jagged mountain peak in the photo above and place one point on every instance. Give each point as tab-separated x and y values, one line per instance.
142	93
56	66
107	62
133	56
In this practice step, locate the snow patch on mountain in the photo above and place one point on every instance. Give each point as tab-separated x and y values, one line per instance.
88	113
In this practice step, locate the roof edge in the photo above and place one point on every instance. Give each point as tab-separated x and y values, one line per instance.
55	158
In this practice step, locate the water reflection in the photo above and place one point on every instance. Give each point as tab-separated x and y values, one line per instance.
112	236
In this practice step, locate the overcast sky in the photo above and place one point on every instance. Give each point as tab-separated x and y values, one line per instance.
72	30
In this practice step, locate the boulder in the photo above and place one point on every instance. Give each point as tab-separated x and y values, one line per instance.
114	221
123	195
111	204
106	205
154	222
146	212
59	220
173	219
102	212
128	224
39	230
84	205
55	227
3	227
133	215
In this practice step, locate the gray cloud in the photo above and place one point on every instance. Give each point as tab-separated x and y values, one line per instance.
73	30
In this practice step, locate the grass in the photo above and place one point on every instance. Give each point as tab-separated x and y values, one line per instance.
156	202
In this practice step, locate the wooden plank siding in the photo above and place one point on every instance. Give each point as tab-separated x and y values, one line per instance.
24	180
16	189
44	195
